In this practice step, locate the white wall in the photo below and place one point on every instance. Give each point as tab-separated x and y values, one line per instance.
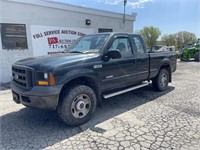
35	12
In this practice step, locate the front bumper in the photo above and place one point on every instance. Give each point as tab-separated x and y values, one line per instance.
42	97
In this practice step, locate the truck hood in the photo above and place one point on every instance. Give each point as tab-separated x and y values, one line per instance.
54	61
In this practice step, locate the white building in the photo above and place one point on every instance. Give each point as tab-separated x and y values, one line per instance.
35	27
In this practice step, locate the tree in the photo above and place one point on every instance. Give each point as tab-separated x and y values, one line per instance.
184	37
169	40
150	35
178	39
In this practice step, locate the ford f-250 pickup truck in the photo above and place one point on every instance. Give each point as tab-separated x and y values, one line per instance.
94	67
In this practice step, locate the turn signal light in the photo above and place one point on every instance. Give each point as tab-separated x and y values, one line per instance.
50	80
43	83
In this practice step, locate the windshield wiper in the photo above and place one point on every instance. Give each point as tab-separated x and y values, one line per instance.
85	52
91	51
75	52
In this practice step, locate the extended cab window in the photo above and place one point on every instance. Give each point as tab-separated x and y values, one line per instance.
139	45
123	45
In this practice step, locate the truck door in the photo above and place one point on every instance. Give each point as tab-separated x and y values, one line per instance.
142	58
119	72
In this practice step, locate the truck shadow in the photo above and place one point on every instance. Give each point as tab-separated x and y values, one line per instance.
29	128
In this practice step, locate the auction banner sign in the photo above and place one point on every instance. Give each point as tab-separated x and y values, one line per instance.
52	39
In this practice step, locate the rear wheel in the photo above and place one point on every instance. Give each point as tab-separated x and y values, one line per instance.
77	105
196	57
181	57
161	81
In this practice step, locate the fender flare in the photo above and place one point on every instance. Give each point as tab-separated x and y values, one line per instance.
166	62
87	73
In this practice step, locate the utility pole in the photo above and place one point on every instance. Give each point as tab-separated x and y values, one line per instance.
125	1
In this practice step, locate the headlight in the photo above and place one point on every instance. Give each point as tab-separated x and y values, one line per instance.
44	78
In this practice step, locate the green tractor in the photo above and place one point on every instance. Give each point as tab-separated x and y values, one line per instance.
191	51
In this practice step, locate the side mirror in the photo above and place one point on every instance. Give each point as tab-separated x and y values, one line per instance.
114	54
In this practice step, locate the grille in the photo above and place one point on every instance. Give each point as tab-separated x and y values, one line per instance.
22	76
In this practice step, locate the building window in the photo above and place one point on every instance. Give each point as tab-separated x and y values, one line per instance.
101	30
13	36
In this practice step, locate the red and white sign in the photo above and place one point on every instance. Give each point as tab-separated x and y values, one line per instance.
51	39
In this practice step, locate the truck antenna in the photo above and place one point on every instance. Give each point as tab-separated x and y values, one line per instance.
125	1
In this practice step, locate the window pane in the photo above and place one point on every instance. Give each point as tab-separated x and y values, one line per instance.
89	43
13	36
139	45
123	45
101	30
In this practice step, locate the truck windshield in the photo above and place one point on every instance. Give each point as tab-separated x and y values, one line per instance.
88	44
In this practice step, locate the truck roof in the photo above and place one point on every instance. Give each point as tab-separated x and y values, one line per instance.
117	33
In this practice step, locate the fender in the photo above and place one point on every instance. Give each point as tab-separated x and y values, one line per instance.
163	64
80	72
84	72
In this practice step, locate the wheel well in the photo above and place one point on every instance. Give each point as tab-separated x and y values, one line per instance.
82	81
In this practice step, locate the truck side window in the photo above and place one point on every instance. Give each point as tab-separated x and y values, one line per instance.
139	45
123	45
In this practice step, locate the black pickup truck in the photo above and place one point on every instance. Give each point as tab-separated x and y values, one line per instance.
94	67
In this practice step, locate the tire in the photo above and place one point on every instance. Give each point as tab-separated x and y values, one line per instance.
160	83
181	57
196	57
77	105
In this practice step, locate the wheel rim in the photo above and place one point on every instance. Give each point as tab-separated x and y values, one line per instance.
164	80
81	106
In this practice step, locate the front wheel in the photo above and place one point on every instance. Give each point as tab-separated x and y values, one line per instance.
161	81
77	105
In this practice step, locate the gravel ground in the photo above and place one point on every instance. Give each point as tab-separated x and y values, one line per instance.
141	119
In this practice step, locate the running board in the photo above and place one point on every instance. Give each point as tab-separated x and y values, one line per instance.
126	90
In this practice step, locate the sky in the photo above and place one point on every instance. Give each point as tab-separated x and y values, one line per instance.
170	16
